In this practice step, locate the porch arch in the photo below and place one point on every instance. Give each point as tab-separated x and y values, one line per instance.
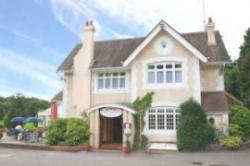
120	106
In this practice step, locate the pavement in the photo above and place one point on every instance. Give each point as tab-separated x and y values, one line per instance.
14	157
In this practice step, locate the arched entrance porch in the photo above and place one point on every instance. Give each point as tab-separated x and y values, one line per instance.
106	124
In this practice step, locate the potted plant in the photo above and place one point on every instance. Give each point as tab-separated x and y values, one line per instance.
126	147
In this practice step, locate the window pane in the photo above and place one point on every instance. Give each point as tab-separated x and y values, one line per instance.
168	66
100	83
160	121
159	66
107	83
169	76
177	65
115	83
151	121
160	77
178	76
170	122
100	75
108	74
122	82
177	121
122	74
151	67
151	77
115	74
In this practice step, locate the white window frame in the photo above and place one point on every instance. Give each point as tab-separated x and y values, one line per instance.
164	131
173	70
111	89
165	60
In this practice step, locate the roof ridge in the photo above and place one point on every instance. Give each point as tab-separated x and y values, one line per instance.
122	39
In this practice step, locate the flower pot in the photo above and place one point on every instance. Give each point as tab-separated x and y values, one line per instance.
88	148
126	149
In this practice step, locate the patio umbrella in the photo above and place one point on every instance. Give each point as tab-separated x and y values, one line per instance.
17	120
33	120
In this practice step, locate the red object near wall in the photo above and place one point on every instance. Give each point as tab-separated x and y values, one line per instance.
53	115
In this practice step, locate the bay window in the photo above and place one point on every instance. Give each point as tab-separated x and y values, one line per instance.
164	73
115	80
163	118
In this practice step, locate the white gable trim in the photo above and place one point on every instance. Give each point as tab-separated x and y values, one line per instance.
172	32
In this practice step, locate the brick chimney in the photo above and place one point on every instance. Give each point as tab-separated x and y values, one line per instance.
210	28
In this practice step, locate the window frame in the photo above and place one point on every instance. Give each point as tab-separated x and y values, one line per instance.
111	77
153	112
155	70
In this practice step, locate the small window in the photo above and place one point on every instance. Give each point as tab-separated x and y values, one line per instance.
211	121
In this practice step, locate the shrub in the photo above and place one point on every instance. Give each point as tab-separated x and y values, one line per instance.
236	130
1	124
193	131
231	142
55	131
240	121
77	132
29	126
1	134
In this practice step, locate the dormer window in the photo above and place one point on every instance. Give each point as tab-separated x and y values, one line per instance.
114	80
164	73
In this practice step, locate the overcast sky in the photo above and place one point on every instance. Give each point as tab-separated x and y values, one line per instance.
36	35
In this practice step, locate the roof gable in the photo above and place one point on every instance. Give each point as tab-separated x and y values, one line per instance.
162	25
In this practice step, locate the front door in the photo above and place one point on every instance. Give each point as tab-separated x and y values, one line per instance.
110	129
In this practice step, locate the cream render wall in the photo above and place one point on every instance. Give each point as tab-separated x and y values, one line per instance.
171	94
212	78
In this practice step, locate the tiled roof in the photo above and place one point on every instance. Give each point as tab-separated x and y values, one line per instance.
113	52
214	101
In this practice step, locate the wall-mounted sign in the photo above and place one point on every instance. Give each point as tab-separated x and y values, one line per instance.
110	112
127	128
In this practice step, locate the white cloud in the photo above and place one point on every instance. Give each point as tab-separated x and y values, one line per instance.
40	72
139	15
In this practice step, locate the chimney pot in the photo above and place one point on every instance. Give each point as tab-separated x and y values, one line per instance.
210	32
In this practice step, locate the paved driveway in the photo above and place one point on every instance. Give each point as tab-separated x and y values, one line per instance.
14	157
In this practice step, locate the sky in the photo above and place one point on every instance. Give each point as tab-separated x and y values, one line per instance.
36	35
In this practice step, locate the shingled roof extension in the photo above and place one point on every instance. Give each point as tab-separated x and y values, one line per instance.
113	52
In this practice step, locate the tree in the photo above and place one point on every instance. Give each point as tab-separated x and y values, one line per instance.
19	105
231	79
245	47
244	68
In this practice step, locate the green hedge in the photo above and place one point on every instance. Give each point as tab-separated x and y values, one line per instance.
77	132
193	131
55	131
72	131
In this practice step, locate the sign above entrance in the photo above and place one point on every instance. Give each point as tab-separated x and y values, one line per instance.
110	112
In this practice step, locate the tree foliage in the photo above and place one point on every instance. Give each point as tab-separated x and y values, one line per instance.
19	105
240	122
141	104
193	131
231	79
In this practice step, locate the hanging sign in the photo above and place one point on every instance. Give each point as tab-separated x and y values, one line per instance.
110	112
127	128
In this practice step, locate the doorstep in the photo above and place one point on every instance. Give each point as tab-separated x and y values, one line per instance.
162	146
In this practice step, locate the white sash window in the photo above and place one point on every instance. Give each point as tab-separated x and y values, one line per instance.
164	73
111	81
162	119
